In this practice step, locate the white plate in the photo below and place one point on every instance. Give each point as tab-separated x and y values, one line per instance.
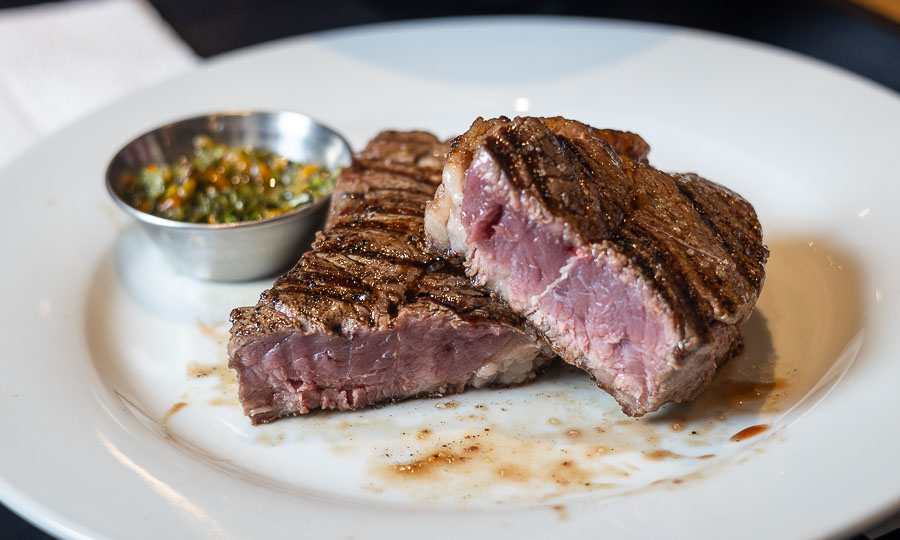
101	340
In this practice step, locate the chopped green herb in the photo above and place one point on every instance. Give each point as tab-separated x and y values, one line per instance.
225	184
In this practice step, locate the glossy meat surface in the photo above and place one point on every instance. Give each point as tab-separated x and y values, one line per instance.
641	278
370	315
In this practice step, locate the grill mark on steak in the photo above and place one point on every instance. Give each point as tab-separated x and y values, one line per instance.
387	225
536	170
364	318
742	238
624	143
563	177
641	277
383	209
715	281
416	182
669	280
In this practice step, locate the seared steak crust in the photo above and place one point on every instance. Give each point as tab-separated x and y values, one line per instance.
704	268
370	315
682	256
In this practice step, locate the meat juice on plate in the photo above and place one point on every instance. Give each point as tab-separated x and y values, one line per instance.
554	440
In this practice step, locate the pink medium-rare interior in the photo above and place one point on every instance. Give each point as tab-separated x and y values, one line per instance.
490	219
596	310
294	372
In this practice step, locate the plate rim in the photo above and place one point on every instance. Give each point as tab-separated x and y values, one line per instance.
31	509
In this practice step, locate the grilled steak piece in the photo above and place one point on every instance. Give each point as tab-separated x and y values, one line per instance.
639	277
369	315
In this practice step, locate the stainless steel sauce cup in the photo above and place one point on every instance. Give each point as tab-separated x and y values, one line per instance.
233	251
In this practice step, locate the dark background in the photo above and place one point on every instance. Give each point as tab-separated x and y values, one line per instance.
837	32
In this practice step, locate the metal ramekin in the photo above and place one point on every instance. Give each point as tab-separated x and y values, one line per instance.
233	251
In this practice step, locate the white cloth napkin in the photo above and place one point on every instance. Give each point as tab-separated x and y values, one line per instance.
61	61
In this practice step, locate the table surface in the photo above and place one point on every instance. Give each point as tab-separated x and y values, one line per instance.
853	35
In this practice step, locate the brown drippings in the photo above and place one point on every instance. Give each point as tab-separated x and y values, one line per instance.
561	513
210	331
197	370
440	460
751	431
791	339
447	405
171	412
271	440
226	385
748	394
667	481
569	473
511	473
226	381
164	421
599	450
790	342
659	455
482	458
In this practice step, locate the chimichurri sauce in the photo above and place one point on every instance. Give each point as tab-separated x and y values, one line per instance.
226	184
